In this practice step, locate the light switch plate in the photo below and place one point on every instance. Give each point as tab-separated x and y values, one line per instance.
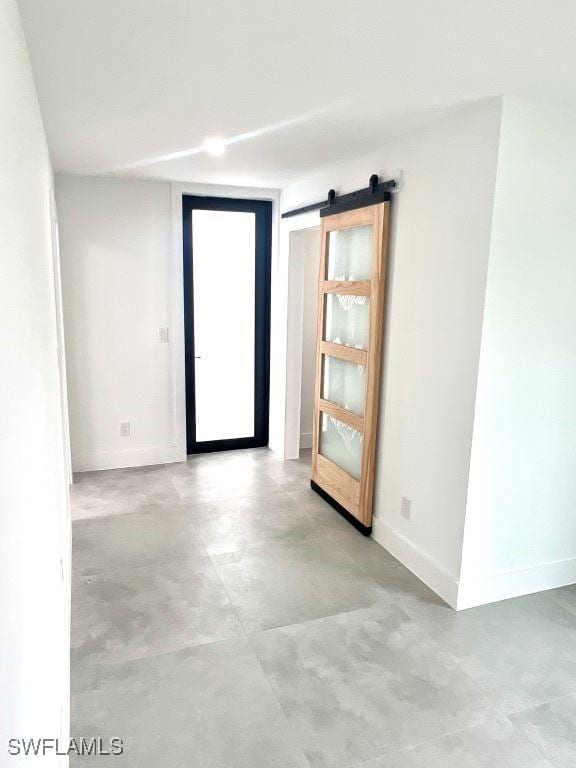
164	335
405	507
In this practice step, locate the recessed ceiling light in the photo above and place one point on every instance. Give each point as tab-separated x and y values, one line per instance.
215	146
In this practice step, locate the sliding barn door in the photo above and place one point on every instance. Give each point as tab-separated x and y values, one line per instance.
348	358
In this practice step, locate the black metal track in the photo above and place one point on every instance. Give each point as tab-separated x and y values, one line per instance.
375	192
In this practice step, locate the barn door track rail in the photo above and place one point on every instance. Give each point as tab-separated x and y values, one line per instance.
376	192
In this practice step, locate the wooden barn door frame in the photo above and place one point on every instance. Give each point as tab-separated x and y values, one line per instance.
351	497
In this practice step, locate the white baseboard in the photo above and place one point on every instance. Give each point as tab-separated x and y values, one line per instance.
469	593
525	581
128	457
429	571
306	440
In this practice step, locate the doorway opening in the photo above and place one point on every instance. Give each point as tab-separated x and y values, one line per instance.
304	256
310	250
227	264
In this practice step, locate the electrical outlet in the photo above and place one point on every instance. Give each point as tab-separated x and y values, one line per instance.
125	429
164	335
405	506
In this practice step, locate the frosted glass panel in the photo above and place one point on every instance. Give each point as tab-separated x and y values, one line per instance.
341	444
223	248
350	254
344	384
347	320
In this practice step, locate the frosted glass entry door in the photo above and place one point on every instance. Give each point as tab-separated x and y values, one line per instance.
341	444
223	248
350	254
347	320
344	384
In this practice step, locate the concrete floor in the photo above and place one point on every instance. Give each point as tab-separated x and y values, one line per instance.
225	617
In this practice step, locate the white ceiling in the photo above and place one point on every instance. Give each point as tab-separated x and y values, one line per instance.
311	82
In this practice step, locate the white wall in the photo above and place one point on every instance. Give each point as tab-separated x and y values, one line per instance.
116	276
34	513
441	229
121	243
520	523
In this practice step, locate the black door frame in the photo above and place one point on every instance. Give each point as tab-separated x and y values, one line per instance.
263	213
